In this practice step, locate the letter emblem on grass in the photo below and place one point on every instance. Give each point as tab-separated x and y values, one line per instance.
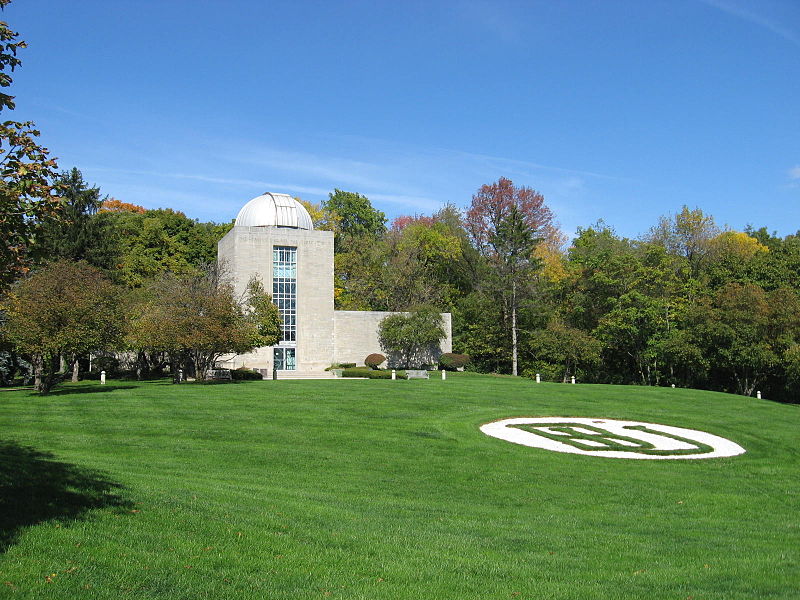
611	438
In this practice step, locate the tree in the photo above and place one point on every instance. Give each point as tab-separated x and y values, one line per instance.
419	259
687	234
197	318
567	349
505	224
323	218
262	313
354	216
65	309
411	338
78	235
114	205
154	242
27	198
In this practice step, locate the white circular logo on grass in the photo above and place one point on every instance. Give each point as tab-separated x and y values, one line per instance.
611	438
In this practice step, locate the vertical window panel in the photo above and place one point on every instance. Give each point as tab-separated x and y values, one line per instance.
284	289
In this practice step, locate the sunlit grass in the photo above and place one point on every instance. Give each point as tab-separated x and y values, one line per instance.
386	489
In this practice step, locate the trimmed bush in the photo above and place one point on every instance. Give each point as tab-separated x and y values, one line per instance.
340	366
243	374
356	372
450	361
374	360
371	374
386	375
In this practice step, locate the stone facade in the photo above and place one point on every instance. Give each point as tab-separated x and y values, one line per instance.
356	334
324	336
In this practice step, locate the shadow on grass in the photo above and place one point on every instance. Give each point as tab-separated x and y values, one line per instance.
96	388
35	488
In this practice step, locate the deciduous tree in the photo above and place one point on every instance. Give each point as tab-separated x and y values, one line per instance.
65	309
411	338
506	223
27	197
197	318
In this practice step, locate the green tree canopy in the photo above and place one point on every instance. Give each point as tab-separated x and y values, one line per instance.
411	338
64	309
198	318
354	215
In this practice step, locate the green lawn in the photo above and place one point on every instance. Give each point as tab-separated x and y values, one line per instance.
386	489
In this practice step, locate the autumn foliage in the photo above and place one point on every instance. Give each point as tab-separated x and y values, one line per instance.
118	206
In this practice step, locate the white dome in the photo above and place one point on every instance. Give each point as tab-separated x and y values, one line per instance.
274	210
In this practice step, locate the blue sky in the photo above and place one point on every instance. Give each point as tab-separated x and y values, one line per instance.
621	110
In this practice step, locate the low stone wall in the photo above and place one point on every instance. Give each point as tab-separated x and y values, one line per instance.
356	334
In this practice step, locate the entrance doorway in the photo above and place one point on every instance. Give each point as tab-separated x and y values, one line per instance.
284	359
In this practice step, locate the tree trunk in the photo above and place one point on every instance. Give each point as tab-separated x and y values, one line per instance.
46	367
174	367
514	328
76	367
38	363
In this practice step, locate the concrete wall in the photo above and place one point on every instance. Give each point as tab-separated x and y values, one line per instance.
356	334
247	251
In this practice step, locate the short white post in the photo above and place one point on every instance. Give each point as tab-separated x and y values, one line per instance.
538	378
444	375
394	374
673	386
758	395
102	377
573	379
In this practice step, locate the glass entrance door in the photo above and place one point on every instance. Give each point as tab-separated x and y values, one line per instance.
284	359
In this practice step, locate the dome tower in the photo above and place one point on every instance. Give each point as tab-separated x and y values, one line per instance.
274	210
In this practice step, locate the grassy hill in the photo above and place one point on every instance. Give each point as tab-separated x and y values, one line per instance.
386	489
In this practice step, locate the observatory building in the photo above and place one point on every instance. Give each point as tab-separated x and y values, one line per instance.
274	239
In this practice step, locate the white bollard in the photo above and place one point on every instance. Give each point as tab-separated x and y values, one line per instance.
102	377
573	379
538	378
673	386
758	395
394	374
444	375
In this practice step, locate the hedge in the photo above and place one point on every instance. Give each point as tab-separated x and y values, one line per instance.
450	361
243	374
340	366
371	374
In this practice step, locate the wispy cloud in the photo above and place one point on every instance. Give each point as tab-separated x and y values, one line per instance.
225	181
794	172
514	165
493	18
745	10
310	166
398	178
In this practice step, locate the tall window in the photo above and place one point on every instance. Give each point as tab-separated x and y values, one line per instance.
284	288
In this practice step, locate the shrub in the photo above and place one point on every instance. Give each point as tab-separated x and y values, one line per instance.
371	374
340	366
374	360
450	361
547	371
244	374
356	372
386	375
